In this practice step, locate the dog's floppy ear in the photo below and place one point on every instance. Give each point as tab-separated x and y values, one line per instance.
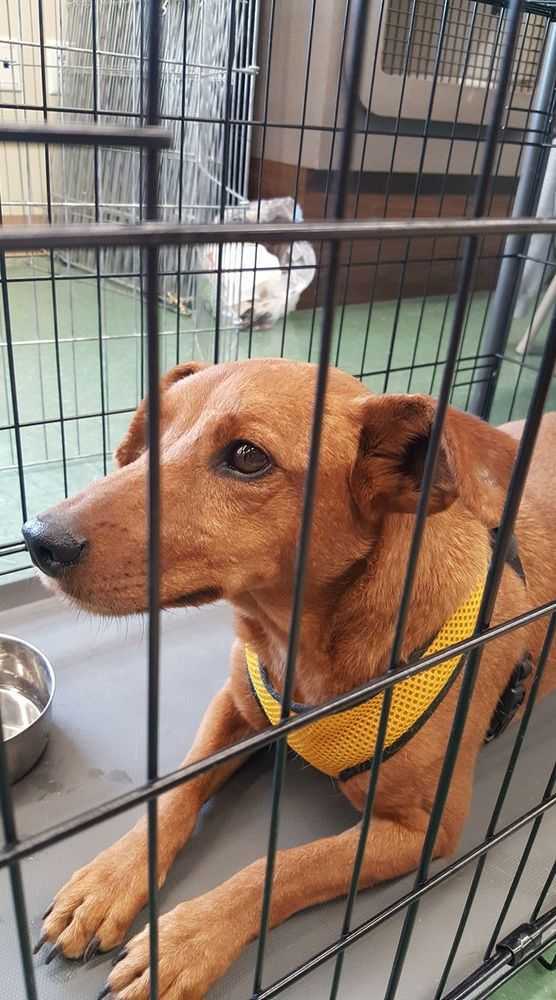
134	443
393	441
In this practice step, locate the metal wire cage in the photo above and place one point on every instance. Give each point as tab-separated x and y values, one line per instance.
390	248
80	63
196	47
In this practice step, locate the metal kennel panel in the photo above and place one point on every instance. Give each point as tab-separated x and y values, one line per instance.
453	64
77	319
504	956
196	51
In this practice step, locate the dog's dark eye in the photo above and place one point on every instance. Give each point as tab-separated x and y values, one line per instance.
247	459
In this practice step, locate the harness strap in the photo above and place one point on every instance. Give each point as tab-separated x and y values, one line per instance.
514	692
512	555
343	744
511	698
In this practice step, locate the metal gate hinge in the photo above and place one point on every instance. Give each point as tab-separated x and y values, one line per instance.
521	943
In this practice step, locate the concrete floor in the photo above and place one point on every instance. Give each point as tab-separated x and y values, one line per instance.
97	750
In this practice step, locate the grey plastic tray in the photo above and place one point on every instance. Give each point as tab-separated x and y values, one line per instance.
97	750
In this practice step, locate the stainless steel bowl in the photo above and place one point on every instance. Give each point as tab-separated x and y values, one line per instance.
26	691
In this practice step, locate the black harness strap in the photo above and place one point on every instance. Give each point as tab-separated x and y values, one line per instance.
512	555
514	692
511	699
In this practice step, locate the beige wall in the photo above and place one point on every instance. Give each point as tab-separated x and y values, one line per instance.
287	81
22	167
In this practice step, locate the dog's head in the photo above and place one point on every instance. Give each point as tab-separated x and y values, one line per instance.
234	443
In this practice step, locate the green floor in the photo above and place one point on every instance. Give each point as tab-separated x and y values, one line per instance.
421	332
533	983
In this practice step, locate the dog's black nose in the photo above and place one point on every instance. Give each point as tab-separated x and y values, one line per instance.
51	546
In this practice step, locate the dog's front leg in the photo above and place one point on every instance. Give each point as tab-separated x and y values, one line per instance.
200	939
93	911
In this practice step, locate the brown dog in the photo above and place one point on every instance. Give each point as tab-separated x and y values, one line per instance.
234	446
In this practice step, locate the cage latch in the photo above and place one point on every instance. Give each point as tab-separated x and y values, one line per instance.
521	943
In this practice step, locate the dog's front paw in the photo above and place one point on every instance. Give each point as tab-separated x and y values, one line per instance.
94	910
198	941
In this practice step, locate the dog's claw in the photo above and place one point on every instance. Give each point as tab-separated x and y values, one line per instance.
51	954
92	949
120	956
48	911
42	940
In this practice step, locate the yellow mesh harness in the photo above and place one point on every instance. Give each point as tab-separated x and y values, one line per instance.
343	744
